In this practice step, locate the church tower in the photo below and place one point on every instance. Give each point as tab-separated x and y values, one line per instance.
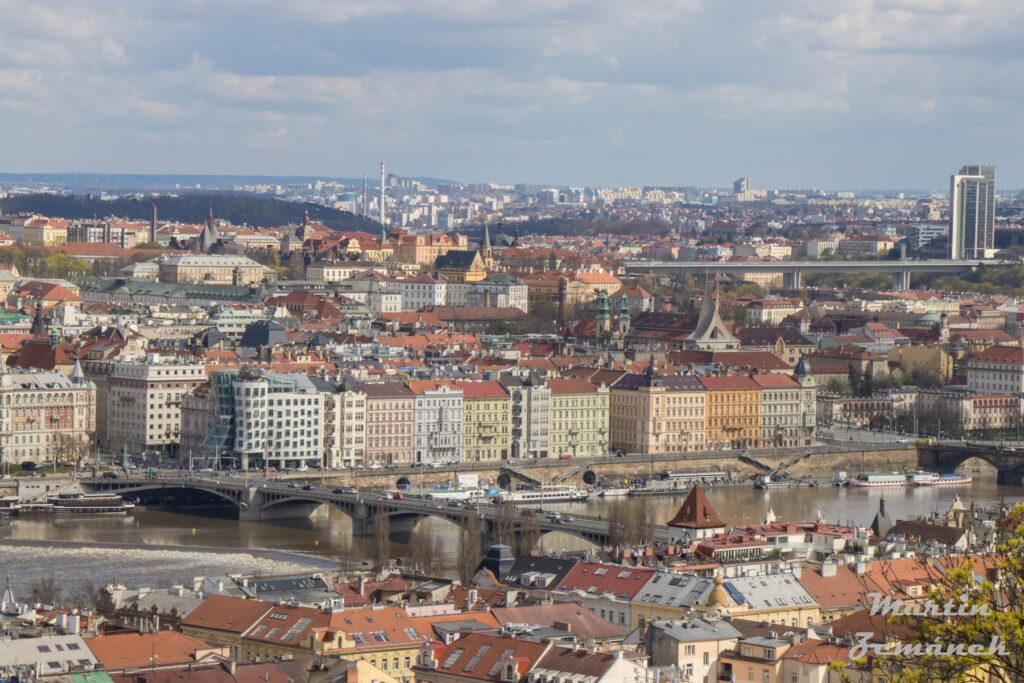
624	315
486	253
603	319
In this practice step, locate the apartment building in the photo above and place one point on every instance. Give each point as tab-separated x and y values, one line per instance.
692	644
348	438
579	418
733	412
788	409
438	416
530	401
46	416
422	290
143	410
486	421
997	370
390	425
653	414
217	269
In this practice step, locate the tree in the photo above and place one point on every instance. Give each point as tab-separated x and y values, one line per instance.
381	539
837	386
46	590
296	266
425	551
346	555
469	554
856	380
505	525
62	266
740	315
529	535
985	594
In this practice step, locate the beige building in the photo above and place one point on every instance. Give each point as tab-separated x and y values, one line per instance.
486	421
216	269
345	425
654	414
389	424
692	644
45	416
143	410
788	410
579	418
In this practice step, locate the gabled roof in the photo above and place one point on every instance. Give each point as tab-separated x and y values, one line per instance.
129	650
606	579
222	613
582	622
696	512
481	656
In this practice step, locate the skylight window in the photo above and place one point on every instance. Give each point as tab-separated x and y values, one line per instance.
452	658
476	658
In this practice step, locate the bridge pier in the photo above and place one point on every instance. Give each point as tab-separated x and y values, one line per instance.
901	281
792	279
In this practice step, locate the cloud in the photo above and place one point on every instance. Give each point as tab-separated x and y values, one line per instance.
573	91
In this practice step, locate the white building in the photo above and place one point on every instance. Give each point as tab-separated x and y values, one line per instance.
997	370
278	417
143	409
531	415
423	290
788	410
498	290
437	414
350	425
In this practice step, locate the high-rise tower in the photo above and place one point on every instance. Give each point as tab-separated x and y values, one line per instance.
382	194
972	212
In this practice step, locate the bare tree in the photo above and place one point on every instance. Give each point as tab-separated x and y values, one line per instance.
529	534
505	525
46	590
381	540
346	555
469	555
425	550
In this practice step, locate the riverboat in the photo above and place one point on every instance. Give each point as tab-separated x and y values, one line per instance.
948	480
547	494
614	492
89	504
879	479
8	504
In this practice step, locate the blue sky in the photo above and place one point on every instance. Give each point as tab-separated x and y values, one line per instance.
793	93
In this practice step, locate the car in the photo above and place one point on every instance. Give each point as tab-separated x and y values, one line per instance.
339	490
566	518
307	487
435	506
553	515
902	440
109	475
399	496
453	503
620	453
436	465
375	466
293	485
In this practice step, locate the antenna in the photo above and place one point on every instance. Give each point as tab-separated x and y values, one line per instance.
382	194
364	195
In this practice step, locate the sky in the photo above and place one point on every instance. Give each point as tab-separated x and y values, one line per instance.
846	94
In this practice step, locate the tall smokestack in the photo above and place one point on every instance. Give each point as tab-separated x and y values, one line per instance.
382	193
364	196
152	225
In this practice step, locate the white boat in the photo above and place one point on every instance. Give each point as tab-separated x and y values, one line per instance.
610	493
879	479
547	494
949	480
921	478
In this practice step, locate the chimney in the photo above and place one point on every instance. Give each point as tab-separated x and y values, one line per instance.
828	570
861	568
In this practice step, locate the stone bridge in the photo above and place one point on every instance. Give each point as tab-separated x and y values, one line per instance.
949	455
262	501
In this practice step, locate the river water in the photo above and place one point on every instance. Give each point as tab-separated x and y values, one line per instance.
159	547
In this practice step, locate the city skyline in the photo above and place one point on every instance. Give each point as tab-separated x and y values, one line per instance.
792	95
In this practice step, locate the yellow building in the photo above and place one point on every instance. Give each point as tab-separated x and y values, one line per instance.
579	418
45	232
733	413
486	421
424	249
218	269
924	358
460	265
654	414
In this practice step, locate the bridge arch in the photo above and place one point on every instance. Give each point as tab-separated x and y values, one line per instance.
589	477
158	486
403	483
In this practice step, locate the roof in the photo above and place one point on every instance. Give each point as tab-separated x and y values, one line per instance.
287	625
633	382
729	383
766	336
843	589
232	615
1001	354
697	629
129	650
571	386
374	628
774	381
481	656
564	661
544	572
485	389
696	512
582	622
606	579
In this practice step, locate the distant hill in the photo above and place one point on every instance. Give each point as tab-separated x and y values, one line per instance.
574	227
190	208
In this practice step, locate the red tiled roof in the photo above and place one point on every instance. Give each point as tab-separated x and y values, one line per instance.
571	386
602	579
129	650
696	512
222	613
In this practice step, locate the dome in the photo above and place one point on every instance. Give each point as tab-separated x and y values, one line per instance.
929	318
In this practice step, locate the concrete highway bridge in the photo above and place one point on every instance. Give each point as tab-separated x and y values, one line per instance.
793	271
262	501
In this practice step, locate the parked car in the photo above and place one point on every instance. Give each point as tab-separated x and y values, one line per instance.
307	487
109	475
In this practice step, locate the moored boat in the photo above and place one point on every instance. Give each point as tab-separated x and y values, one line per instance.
879	479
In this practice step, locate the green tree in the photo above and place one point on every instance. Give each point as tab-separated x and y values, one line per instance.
62	266
740	315
985	592
13	256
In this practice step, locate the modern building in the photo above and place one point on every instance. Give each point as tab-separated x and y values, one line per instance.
278	420
972	212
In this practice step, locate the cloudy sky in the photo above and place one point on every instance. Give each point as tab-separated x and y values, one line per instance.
793	93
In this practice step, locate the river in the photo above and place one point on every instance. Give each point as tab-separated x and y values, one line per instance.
159	547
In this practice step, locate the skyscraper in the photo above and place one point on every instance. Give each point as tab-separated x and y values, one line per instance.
972	212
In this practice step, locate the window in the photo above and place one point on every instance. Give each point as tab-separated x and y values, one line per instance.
690	650
452	658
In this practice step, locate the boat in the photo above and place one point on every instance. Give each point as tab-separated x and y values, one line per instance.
547	494
33	510
767	482
949	480
614	492
8	504
879	479
921	478
89	504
